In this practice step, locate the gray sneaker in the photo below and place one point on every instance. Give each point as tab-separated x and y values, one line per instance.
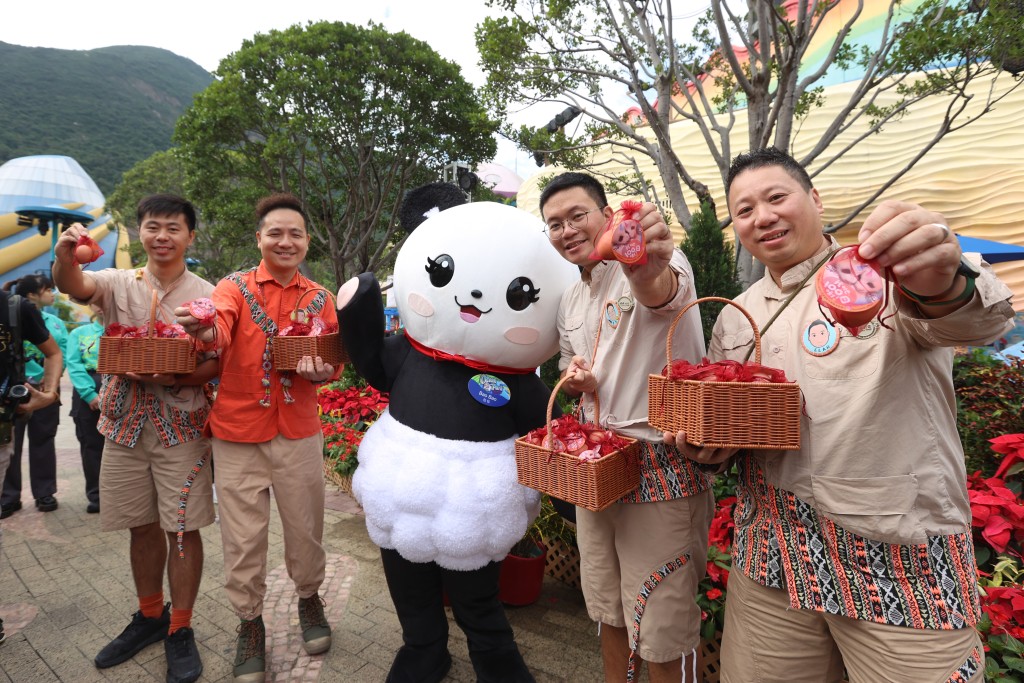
251	652
316	633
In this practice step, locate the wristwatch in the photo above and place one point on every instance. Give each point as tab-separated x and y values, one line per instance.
968	269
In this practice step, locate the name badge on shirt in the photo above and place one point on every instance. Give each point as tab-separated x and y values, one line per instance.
489	390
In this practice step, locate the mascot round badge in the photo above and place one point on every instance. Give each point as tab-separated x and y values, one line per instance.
477	288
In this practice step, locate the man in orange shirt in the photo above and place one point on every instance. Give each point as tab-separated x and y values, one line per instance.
266	431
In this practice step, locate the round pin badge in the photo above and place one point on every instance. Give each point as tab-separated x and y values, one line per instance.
625	303
489	390
820	338
612	313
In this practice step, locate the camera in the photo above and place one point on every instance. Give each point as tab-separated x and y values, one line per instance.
15	395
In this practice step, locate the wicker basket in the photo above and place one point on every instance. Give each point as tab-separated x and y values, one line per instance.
592	485
563	562
342	481
760	415
288	351
146	355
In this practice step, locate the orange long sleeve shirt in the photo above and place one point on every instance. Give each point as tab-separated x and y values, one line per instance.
237	413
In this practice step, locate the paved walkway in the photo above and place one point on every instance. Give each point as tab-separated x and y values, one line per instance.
66	589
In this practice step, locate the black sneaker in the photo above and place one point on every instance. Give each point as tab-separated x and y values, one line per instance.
141	632
3	636
92	508
9	509
46	504
183	663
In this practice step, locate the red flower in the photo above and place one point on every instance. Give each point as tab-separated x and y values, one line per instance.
1010	445
714	594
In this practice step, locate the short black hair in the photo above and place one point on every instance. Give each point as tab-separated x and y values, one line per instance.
166	205
567	181
768	156
31	284
279	200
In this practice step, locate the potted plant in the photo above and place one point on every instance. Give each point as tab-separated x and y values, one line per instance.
522	572
347	409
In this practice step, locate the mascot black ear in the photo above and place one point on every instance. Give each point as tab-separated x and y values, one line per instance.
422	202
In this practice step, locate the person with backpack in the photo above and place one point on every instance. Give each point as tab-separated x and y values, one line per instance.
20	320
41	425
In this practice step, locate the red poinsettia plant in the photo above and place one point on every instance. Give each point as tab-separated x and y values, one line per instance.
586	441
722	371
997	514
346	412
711	596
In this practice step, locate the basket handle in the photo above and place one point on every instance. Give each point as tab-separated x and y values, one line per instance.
151	332
679	316
551	403
298	301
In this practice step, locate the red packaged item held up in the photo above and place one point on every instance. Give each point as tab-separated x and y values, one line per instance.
87	250
852	289
622	238
202	310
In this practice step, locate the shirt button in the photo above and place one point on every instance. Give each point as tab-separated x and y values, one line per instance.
776	349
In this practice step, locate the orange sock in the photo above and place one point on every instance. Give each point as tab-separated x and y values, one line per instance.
152	606
180	618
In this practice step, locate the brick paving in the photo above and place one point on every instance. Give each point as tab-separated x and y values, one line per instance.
66	589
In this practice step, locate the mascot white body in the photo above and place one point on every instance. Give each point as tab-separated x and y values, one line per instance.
453	501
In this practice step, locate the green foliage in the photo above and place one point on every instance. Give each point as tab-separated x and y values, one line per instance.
990	398
107	108
346	117
1004	661
714	267
551	526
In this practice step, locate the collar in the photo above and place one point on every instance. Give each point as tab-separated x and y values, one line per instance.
468	362
597	273
146	275
263	276
795	275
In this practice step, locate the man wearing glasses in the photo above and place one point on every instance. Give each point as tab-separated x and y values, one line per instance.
612	327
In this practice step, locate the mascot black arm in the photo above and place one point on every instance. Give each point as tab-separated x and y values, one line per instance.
362	332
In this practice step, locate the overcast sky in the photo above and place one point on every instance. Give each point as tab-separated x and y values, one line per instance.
206	31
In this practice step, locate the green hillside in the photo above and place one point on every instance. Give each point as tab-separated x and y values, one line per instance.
107	108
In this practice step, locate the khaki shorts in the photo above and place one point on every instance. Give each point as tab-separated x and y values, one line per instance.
142	485
766	641
621	546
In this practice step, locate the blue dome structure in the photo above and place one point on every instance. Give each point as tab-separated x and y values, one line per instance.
45	183
47	179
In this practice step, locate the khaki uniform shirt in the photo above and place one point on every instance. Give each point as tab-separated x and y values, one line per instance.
178	413
880	454
631	346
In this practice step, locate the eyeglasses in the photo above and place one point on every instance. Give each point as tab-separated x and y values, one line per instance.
575	221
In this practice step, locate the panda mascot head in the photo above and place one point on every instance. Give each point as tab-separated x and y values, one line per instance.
479	281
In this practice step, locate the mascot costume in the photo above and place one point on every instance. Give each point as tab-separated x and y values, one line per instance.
477	288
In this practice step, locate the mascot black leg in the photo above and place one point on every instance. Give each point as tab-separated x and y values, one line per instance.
416	591
479	613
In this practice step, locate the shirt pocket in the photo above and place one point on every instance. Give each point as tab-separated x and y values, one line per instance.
735	345
877	508
576	335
